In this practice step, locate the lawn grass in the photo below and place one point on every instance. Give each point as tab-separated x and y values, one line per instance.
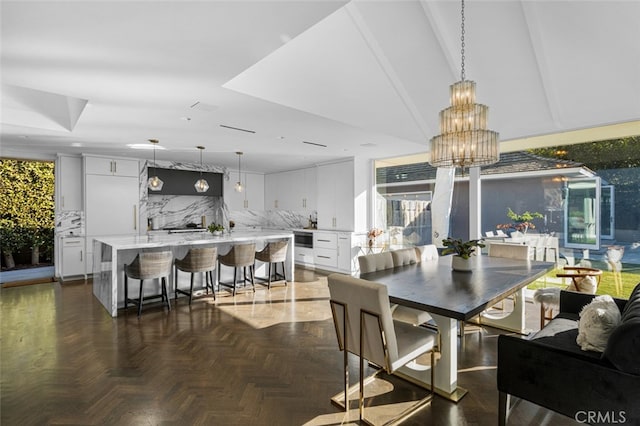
625	280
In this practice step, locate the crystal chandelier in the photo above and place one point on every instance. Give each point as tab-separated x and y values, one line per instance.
464	140
154	183
239	186
201	184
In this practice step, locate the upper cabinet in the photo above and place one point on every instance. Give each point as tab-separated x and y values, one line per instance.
111	166
69	183
252	196
293	190
335	196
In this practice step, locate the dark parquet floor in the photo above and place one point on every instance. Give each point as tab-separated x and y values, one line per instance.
263	358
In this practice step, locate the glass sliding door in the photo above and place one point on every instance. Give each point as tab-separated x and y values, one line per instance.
582	213
607	224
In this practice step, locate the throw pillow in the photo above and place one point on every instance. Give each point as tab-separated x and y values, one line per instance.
587	284
597	321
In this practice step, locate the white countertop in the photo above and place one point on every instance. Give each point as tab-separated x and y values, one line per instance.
121	242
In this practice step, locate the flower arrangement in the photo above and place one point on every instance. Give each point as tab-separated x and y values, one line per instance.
463	249
521	222
375	232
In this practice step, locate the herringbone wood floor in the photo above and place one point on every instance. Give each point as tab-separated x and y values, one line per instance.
268	358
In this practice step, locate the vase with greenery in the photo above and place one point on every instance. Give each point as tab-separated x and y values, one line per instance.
462	251
520	222
216	229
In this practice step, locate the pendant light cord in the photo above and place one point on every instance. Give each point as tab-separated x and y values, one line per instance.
462	75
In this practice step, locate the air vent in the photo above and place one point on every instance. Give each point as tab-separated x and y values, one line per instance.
237	128
313	143
201	106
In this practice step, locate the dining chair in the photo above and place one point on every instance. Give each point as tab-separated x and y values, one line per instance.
385	260
364	327
197	260
426	252
148	266
508	251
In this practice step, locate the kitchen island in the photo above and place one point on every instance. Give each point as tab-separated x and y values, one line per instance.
112	253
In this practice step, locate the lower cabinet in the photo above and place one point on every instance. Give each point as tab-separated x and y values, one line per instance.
304	256
73	257
331	251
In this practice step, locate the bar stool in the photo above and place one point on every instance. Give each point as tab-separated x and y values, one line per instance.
148	266
197	260
240	256
274	253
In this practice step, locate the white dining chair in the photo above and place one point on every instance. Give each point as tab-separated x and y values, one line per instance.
365	328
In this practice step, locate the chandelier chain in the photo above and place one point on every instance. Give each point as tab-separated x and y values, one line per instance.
462	75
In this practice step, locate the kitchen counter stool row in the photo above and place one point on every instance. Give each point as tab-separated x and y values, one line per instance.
158	265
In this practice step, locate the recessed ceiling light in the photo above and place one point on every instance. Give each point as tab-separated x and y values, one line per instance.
145	146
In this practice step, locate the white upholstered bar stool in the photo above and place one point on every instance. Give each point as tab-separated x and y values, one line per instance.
197	260
364	326
148	266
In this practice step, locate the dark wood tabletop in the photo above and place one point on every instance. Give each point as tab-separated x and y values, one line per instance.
432	286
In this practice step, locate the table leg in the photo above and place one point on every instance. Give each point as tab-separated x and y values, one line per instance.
446	369
512	321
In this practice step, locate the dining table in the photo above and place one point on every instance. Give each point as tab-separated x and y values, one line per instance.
451	296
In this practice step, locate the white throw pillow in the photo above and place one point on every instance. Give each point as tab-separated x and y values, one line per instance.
597	320
587	284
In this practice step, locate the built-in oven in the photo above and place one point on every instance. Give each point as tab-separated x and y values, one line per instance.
303	239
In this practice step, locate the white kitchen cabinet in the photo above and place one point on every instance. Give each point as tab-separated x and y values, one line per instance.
73	257
111	166
304	256
111	208
111	205
69	183
346	256
335	196
333	251
252	197
292	190
271	185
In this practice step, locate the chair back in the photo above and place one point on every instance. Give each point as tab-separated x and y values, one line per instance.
240	255
509	251
199	259
375	262
274	251
426	252
354	302
406	256
150	265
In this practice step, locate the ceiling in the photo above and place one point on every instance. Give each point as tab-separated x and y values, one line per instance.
361	78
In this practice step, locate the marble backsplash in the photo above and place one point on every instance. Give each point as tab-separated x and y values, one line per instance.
69	223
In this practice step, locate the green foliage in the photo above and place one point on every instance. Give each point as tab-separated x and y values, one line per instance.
26	204
215	227
524	217
464	249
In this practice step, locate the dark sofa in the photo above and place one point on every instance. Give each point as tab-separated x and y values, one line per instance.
550	369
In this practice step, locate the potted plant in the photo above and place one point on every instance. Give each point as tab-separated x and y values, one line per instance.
520	222
462	250
216	229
